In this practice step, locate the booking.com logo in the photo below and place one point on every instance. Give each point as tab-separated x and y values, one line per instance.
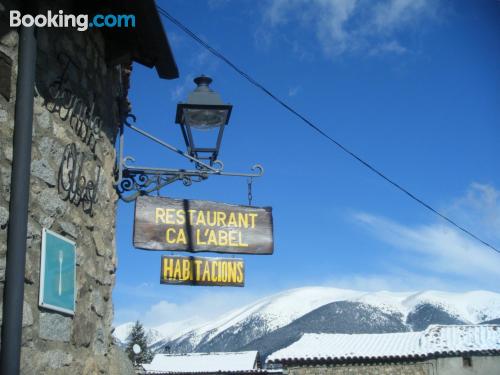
80	21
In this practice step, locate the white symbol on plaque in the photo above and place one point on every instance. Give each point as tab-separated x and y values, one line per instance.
60	270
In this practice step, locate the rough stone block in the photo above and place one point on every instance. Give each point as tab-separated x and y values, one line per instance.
43	119
7	151
57	359
69	228
97	302
55	327
10	39
51	203
50	148
43	170
100	346
119	363
82	332
4	216
2	268
27	315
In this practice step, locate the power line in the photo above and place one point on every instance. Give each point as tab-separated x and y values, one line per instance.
308	122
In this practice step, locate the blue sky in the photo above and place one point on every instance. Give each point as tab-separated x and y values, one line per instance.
410	85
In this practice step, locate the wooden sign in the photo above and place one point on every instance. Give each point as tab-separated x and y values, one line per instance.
191	270
196	226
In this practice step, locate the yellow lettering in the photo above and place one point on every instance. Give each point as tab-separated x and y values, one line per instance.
221	219
219	267
198	269
186	269
177	271
181	217
172	236
206	272
168	268
191	213
181	237
223	238
159	215
198	237
212	239
169	235
231	272
239	272
242	220
253	216
232	220
212	222
240	240
169	213
223	272
201	219
214	272
233	238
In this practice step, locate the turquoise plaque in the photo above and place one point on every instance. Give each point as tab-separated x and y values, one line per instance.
57	273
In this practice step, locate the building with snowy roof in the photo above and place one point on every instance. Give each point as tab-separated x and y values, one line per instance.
439	350
206	363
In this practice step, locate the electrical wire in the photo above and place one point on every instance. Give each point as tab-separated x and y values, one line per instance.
308	122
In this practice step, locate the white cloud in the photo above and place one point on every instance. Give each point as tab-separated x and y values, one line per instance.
443	250
479	210
180	91
392	14
347	26
396	280
203	307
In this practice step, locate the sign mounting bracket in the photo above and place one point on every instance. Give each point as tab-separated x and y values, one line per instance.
133	181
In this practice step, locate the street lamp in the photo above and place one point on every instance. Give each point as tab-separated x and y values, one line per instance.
204	110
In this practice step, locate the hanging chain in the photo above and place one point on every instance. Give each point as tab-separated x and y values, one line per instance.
250	196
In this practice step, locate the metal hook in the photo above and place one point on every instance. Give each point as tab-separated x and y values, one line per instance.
250	196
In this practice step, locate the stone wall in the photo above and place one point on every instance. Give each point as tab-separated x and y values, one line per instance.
379	369
54	342
478	365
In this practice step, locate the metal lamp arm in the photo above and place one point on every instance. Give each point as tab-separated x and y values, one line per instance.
165	144
133	181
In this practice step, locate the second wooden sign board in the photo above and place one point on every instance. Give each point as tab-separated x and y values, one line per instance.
190	270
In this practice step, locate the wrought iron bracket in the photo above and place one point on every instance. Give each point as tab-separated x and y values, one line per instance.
133	181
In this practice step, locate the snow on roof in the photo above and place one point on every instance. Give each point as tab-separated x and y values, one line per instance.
435	340
203	362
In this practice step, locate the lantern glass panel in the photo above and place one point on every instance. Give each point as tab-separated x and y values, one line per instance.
204	119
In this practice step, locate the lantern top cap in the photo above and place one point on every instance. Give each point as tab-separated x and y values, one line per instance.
203	94
202	80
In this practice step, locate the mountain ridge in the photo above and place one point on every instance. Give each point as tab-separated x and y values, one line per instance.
275	321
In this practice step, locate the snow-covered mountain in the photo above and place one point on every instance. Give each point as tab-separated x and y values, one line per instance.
164	332
278	320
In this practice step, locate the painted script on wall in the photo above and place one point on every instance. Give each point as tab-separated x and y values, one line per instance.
195	226
202	271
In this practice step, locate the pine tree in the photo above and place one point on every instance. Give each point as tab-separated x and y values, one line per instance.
138	336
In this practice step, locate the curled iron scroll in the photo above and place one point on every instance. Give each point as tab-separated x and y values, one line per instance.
259	168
